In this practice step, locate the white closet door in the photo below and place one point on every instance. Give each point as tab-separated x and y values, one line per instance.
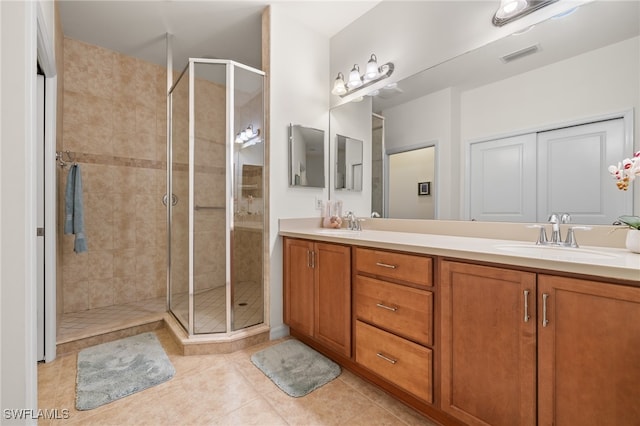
503	180
573	176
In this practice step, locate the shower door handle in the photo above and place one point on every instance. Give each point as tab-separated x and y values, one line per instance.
174	199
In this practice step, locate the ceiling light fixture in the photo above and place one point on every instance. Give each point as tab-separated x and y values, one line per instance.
248	135
372	74
510	10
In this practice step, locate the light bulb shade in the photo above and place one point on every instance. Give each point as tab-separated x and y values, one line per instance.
354	78
338	85
510	8
371	71
247	134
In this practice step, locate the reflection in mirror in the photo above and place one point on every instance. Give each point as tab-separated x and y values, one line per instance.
411	183
585	68
348	163
377	166
306	156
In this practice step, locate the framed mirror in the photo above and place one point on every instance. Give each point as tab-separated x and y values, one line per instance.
306	157
348	163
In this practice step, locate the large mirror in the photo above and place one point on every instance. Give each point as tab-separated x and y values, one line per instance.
348	163
562	71
306	156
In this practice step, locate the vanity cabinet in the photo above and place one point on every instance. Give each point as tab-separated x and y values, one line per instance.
317	292
588	352
393	317
525	348
488	373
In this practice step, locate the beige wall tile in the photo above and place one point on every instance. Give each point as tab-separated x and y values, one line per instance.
100	264
76	296
124	117
101	293
100	69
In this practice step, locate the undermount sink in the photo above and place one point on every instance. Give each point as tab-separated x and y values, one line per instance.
552	252
338	231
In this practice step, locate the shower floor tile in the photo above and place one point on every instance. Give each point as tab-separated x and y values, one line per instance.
93	322
210	312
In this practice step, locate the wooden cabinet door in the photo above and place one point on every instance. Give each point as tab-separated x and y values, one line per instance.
298	285
488	365
333	297
588	353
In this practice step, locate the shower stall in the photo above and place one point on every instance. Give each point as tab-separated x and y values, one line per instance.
216	207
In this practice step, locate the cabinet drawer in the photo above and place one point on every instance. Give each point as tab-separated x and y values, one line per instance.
399	266
400	309
401	362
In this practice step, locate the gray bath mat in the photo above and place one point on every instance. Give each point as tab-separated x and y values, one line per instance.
295	368
117	369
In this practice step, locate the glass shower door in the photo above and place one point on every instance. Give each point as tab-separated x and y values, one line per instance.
247	250
210	179
179	205
216	172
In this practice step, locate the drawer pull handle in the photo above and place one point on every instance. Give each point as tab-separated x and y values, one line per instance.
386	358
386	265
389	308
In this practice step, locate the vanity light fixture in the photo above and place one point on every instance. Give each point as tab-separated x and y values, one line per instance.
372	74
510	10
248	135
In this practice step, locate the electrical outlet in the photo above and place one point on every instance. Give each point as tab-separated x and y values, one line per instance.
318	203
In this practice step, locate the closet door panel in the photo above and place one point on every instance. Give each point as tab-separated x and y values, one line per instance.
503	179
582	186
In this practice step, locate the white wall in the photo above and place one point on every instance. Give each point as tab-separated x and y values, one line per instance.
352	120
18	51
299	95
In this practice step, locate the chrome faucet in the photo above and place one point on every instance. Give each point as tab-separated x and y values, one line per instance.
556	238
353	222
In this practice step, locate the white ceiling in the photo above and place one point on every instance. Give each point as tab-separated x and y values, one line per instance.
212	29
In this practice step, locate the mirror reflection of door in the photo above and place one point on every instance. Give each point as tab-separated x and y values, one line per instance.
377	165
406	170
348	163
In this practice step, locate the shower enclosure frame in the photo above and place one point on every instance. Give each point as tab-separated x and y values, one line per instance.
189	70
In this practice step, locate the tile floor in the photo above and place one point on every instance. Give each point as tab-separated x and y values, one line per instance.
223	390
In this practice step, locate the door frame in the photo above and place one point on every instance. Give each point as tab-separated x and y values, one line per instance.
46	59
626	115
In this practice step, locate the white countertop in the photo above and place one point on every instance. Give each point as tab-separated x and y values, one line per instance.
589	260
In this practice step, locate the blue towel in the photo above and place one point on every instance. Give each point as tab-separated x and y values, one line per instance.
74	209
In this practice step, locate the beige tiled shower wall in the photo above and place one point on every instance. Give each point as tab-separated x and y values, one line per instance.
114	121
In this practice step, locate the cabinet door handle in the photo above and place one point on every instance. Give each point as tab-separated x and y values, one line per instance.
545	321
386	265
526	306
389	308
313	259
386	358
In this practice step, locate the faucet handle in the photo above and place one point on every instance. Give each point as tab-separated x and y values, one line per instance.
565	218
570	241
542	236
553	218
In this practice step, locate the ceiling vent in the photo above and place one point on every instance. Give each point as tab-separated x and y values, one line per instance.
520	53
